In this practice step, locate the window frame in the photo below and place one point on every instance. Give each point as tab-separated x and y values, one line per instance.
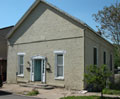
111	62
104	57
96	55
56	54
22	74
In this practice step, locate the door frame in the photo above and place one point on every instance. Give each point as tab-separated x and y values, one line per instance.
43	66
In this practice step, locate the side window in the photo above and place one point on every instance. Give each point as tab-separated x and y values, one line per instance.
20	64
95	56
59	65
104	57
111	62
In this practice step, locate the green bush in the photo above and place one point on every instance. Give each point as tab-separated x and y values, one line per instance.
34	92
96	77
111	92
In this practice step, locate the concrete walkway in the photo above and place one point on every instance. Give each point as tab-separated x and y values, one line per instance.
56	93
44	94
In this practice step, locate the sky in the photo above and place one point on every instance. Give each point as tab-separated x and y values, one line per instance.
12	10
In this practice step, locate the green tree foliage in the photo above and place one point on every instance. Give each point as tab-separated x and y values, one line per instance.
109	20
96	77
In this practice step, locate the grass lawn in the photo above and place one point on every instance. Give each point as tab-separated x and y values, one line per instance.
111	92
87	97
33	93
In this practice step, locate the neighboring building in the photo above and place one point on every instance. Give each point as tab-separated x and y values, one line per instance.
3	51
52	47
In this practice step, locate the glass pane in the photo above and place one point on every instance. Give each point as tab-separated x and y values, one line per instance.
59	71
111	62
21	69
60	59
21	59
95	56
104	58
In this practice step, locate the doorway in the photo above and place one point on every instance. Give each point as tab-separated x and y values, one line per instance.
38	69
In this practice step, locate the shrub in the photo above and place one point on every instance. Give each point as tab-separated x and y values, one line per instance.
34	92
96	77
111	92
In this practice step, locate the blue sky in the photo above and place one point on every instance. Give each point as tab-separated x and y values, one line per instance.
13	10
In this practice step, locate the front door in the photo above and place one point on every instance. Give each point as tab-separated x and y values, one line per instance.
38	70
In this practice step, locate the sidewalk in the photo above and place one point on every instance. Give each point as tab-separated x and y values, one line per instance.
47	94
44	94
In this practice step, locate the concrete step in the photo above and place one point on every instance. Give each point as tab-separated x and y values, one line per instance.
38	86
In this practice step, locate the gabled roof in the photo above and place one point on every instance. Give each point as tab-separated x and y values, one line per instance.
54	7
4	31
32	8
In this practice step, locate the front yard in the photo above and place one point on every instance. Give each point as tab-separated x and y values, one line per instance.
55	93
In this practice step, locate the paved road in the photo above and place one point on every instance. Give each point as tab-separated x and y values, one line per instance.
15	97
6	95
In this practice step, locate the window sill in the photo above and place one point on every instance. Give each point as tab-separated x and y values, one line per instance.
59	78
20	75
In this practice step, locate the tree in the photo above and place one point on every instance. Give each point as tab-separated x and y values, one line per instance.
96	77
109	20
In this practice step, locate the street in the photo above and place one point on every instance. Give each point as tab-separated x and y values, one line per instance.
6	95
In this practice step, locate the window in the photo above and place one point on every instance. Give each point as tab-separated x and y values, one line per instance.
95	56
59	64
104	57
20	64
110	62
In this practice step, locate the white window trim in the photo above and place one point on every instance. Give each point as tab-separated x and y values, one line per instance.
57	53
38	57
20	75
59	78
21	54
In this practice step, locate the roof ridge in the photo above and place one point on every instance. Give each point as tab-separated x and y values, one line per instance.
54	7
64	12
49	4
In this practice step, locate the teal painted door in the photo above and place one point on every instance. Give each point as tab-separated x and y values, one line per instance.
37	70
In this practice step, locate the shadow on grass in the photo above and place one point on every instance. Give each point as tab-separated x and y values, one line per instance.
2	93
